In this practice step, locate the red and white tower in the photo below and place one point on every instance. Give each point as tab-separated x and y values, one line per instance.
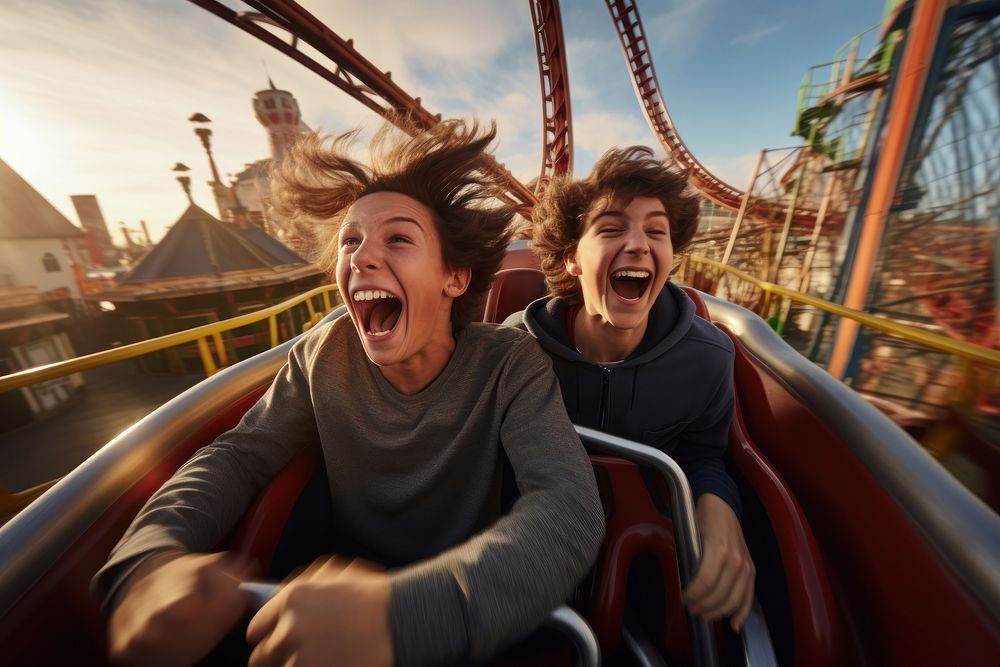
278	111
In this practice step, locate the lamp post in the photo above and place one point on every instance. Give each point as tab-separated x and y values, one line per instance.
184	179
223	193
204	133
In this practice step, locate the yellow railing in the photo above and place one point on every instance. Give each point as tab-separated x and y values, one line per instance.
967	351
200	335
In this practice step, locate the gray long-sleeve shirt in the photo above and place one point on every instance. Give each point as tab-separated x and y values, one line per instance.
413	479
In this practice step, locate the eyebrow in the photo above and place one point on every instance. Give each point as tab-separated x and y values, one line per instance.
621	214
353	224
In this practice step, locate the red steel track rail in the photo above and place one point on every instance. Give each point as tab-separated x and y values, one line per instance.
557	123
353	73
638	57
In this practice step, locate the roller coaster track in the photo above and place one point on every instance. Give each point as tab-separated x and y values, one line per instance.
353	73
638	58
557	124
361	79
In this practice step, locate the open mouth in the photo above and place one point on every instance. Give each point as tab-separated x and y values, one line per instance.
630	284
378	311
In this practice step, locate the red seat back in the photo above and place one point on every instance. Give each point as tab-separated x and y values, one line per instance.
634	527
58	622
816	624
512	290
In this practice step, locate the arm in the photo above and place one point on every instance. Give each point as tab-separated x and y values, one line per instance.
169	595
197	508
703	445
724	582
502	582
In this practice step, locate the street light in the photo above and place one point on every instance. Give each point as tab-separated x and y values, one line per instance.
184	179
205	134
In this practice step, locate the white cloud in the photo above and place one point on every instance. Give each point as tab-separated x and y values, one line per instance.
757	35
736	170
674	33
94	95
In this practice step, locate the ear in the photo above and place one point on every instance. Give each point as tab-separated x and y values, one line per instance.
569	260
458	282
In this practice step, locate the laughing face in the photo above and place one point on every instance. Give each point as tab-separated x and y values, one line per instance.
398	290
622	261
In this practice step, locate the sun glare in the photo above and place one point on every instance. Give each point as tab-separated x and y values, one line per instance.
23	142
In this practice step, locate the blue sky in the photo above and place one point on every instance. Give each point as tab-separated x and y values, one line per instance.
94	94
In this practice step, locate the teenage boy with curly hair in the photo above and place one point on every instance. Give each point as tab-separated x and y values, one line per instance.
631	356
415	409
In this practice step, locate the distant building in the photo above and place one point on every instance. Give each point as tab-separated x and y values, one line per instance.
278	111
32	333
101	251
40	298
252	187
203	271
39	247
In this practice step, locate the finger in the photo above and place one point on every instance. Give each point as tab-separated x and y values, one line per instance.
309	571
726	599
741	615
263	622
720	599
362	565
333	566
262	656
704	580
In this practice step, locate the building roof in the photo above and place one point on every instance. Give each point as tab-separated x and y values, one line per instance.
26	214
254	170
199	244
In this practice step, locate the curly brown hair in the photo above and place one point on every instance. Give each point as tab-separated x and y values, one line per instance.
442	168
621	173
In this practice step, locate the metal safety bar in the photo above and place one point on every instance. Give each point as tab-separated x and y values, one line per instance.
570	623
682	512
758	649
563	619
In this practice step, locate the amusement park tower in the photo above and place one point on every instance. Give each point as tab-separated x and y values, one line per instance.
278	111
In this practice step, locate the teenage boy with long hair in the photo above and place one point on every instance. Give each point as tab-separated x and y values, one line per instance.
415	409
631	356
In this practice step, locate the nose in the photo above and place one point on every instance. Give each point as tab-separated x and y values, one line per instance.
365	256
636	241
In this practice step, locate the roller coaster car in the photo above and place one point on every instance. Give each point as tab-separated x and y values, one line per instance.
867	551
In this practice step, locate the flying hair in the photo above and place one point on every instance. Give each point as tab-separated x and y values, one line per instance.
442	168
566	205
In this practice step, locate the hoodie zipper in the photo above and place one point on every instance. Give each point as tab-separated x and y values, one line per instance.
605	398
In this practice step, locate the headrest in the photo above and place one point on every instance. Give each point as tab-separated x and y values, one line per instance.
512	291
700	309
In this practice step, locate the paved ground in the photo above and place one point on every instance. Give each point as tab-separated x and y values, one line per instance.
114	398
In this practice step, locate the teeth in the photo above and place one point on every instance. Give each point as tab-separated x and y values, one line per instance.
371	295
630	274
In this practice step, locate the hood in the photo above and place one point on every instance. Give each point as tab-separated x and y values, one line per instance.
670	319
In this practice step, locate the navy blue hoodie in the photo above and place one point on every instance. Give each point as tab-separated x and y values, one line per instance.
674	392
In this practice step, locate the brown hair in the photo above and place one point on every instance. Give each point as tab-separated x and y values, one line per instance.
621	173
442	168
